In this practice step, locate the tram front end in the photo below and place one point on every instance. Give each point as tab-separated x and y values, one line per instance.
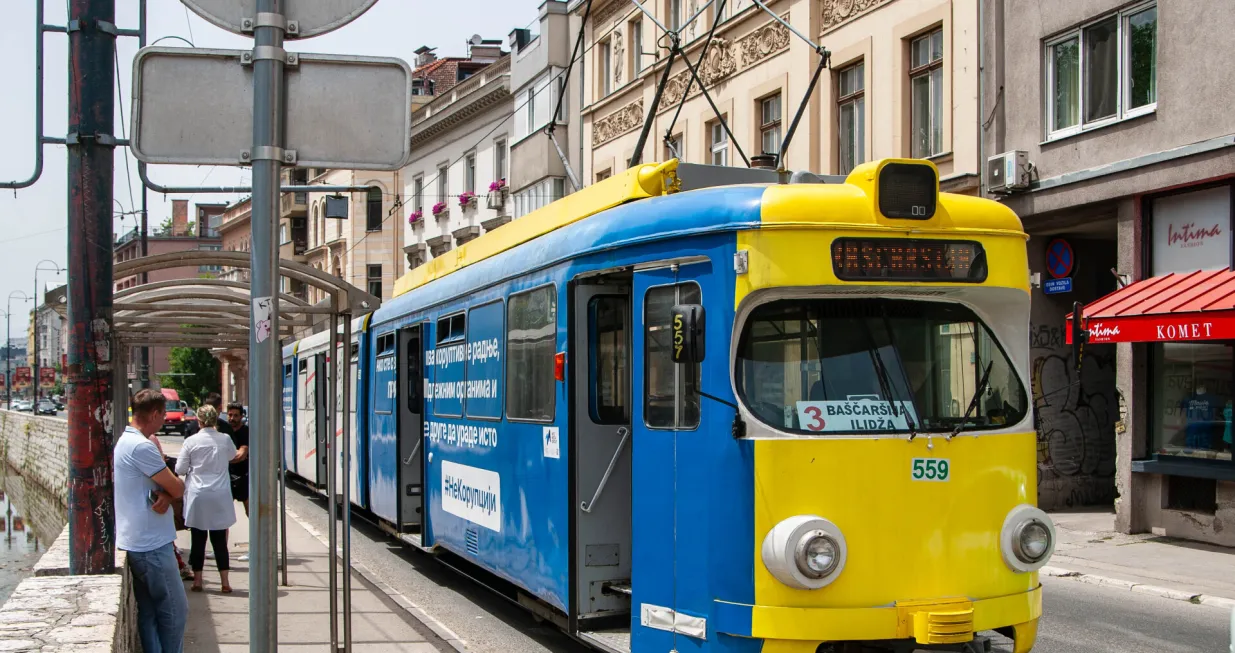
880	362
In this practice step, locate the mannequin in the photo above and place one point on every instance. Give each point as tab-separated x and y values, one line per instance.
1202	411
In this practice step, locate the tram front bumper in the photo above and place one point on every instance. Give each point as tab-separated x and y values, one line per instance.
943	621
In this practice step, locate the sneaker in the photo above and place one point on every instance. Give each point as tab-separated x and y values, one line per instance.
244	557
209	555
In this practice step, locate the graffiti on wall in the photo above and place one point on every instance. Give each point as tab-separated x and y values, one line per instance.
1075	422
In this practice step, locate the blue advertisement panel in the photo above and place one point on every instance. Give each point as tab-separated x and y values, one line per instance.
484	361
383	453
289	414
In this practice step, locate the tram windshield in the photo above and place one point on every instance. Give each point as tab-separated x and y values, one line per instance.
846	366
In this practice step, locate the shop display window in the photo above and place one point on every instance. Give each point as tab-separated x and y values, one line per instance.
1192	399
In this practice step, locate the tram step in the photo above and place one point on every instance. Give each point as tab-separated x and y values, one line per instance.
617	588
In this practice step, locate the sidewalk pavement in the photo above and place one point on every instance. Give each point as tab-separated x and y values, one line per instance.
1090	550
382	619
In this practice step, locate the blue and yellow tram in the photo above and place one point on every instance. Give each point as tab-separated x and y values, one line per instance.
680	414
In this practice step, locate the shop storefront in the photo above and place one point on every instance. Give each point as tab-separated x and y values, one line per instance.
1181	320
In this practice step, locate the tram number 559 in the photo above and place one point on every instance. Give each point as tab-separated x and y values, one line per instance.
930	469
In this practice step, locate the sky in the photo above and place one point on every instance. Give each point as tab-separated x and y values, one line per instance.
33	221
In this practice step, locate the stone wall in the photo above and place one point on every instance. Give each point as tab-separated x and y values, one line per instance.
39	447
53	612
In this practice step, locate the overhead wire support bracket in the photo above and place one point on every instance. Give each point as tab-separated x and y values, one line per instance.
557	112
791	28
637	157
691	82
694	73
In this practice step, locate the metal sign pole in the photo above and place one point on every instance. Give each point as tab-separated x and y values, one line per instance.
266	155
332	461
283	507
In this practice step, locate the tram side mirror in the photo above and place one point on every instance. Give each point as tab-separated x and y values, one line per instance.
688	329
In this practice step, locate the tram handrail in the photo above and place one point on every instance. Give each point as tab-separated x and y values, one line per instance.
587	506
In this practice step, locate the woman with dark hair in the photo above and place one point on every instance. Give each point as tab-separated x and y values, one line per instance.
208	507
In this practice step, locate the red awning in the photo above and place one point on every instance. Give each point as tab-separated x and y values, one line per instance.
1171	308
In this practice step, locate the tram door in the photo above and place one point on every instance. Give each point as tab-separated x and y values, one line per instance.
321	407
601	442
411	428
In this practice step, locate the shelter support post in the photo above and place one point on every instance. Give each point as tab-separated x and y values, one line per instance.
332	462
347	483
92	81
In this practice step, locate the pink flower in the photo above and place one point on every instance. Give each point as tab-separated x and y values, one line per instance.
415	217
497	185
466	198
439	208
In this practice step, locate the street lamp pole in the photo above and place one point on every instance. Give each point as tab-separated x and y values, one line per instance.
8	348
36	373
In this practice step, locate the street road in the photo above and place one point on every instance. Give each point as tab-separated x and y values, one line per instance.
1080	618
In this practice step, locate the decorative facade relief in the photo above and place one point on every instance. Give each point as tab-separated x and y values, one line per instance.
766	41
839	11
628	118
675	88
602	16
719	64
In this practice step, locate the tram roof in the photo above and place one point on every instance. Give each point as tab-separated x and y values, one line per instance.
647	202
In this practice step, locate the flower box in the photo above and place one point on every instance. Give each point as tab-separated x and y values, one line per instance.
439	209
467	200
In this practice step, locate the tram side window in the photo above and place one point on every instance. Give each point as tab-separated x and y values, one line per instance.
484	362
450	366
609	360
415	378
531	341
671	391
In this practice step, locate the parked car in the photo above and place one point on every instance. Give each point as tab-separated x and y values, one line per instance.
173	423
24	405
45	407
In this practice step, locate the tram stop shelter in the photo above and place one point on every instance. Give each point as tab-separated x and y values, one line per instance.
216	313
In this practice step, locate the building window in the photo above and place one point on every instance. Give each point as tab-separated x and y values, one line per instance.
1192	396
604	174
373	210
1102	71
851	117
675	15
374	277
718	143
636	46
443	183
926	95
418	193
531	345
469	172
606	68
674	148
769	124
283	239
671	391
499	159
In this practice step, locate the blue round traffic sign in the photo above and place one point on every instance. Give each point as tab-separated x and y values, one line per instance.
1059	258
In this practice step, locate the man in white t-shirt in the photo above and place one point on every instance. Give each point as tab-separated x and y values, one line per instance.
146	529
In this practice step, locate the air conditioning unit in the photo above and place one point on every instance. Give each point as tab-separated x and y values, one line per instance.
1008	172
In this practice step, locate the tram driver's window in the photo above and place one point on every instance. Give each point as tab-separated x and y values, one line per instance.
531	344
671	391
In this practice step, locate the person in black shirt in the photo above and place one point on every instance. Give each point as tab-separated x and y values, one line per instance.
240	464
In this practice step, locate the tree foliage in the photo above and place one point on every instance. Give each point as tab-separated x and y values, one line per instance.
203	374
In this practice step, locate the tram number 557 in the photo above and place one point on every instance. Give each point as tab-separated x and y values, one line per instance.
930	469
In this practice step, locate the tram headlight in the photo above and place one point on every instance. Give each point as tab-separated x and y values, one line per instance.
804	551
1027	539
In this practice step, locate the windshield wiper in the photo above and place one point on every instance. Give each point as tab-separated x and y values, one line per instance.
973	403
885	384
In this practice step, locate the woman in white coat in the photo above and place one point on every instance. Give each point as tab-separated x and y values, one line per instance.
208	507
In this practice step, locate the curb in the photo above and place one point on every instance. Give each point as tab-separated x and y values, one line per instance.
440	629
1140	588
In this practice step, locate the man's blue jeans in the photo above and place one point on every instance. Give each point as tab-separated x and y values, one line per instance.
162	607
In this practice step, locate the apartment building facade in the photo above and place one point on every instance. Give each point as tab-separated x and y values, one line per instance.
456	186
1127	166
908	66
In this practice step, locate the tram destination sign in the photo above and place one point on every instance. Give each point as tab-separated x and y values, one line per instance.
194	106
908	259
